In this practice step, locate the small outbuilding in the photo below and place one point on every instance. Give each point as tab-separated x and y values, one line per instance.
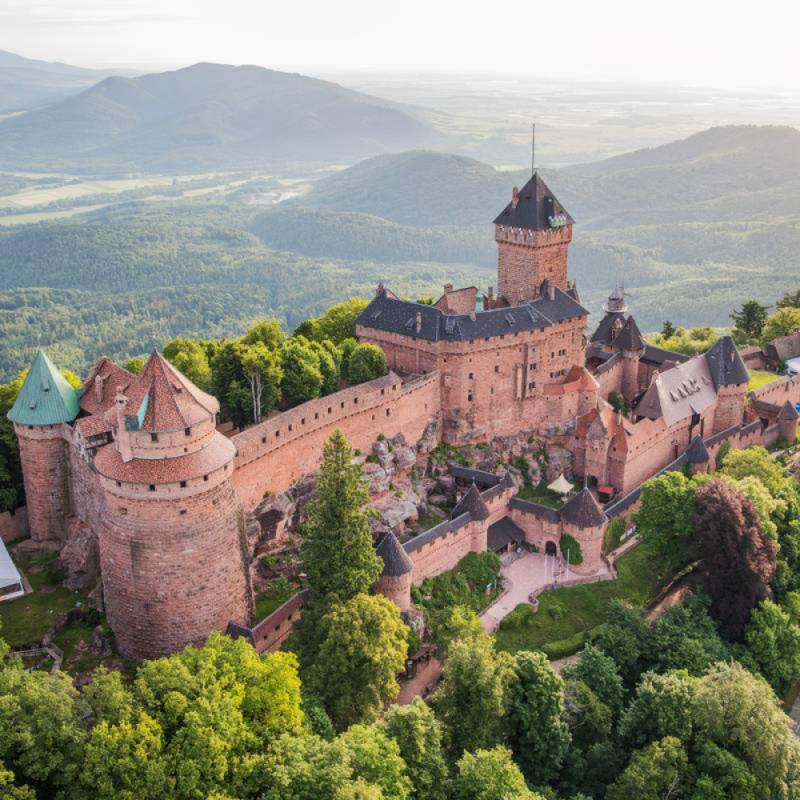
10	579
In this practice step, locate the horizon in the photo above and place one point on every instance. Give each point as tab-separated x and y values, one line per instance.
598	45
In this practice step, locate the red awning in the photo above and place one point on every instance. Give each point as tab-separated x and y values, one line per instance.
604	488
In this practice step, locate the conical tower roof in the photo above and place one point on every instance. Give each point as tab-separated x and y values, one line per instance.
788	412
396	561
697	452
46	398
473	503
165	400
535	208
583	510
629	337
725	363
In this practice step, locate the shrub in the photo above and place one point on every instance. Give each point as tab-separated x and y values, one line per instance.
569	545
613	534
723	451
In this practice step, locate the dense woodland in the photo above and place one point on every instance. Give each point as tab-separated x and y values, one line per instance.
684	707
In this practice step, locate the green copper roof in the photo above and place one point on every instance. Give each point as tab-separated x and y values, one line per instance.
45	397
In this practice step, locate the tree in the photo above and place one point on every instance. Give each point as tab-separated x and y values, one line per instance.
134	365
749	320
362	645
302	376
11	791
491	775
339	321
783	322
458	623
790	300
599	672
470	700
366	363
190	358
661	707
262	369
375	758
739	712
772	643
535	720
337	551
418	735
267	332
755	462
665	514
737	559
589	719
721	775
626	639
329	360
358	790
667	329
655	773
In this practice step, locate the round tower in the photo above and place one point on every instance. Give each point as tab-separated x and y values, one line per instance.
585	521
45	403
173	553
395	581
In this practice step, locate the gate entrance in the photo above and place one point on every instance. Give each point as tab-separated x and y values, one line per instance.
550	549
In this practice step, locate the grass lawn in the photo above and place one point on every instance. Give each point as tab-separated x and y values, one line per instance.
274	597
542	495
27	619
567	615
760	377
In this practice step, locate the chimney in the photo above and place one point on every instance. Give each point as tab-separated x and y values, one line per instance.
491	294
448	287
472	314
551	292
99	388
123	435
380	290
418	325
514	197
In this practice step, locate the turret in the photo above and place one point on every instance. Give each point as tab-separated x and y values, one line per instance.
533	233
45	404
630	343
731	379
787	422
584	520
172	549
395	581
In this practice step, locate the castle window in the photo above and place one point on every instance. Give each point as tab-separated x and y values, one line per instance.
182	511
187	431
491	390
316	415
388	412
277	433
471	375
153	437
290	427
383	391
497	368
205	477
342	405
152	487
469	397
119	483
330	410
123	511
303	421
183	484
355	401
263	440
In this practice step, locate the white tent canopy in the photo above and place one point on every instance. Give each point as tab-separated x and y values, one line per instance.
10	579
561	485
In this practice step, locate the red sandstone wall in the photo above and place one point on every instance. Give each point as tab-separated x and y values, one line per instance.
525	259
14	525
273	455
43	453
611	379
780	391
591	543
442	554
173	571
538	531
87	499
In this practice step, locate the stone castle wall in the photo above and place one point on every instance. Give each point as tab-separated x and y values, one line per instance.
526	258
173	570
778	392
273	455
43	454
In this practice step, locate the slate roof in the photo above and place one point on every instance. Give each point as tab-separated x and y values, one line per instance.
502	533
658	355
442	529
387	313
46	398
475	475
396	561
165	400
788	412
725	363
471	503
538	510
696	452
583	510
602	333
629	337
535	206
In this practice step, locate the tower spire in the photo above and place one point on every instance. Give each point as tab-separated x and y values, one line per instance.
533	148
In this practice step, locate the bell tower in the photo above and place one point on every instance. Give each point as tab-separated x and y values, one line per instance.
533	233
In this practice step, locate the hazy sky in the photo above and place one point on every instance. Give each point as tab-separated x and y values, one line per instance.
727	44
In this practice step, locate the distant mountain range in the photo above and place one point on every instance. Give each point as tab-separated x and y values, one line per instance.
26	83
211	116
693	227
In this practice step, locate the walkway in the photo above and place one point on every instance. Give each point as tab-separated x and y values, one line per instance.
531	571
428	674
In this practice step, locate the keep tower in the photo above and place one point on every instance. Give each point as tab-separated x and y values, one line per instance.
173	552
533	233
45	404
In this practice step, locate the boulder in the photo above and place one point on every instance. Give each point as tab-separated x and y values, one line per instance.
559	460
397	441
405	457
80	557
386	460
396	511
273	515
380	448
429	439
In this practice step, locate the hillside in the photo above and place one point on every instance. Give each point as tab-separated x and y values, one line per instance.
210	116
26	83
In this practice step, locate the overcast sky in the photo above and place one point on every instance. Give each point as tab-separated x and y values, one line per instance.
725	44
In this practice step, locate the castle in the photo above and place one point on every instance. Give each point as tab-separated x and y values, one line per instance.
138	460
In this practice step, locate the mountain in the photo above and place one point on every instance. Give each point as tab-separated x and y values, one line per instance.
26	83
211	116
